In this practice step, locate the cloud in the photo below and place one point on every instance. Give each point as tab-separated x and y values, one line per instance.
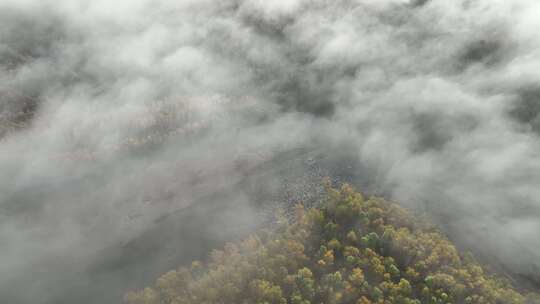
135	134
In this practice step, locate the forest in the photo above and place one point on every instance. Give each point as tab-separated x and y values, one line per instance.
142	140
349	250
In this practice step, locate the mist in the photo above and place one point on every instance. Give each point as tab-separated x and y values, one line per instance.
137	135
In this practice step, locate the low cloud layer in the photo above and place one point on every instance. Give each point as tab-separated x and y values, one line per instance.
136	134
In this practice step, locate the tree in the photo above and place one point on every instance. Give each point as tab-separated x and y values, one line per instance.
351	250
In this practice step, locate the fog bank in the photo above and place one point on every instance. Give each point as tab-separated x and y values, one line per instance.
176	124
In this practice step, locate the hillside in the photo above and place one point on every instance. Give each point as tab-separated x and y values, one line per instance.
350	250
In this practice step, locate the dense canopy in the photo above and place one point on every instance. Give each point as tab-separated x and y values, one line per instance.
351	250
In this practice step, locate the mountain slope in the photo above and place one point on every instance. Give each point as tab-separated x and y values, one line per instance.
350	250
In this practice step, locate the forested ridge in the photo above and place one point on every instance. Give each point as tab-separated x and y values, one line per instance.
351	250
